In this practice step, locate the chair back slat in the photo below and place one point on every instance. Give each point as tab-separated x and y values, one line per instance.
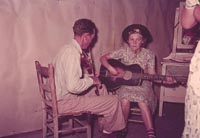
45	87
46	83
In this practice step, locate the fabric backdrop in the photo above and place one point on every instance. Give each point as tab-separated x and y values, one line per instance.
35	30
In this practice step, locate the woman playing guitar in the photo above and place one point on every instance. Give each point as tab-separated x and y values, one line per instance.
137	37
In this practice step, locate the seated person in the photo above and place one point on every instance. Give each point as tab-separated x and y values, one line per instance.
137	37
71	83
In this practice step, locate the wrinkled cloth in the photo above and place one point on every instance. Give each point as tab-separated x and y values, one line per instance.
192	98
109	106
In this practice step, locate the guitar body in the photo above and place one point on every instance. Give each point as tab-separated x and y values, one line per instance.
112	83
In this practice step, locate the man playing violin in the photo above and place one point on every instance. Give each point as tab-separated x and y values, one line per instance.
72	84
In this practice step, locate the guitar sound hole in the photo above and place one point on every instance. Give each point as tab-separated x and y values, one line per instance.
128	75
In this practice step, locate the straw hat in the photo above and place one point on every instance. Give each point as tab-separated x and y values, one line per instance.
137	28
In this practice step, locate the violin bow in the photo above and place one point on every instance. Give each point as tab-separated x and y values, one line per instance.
94	71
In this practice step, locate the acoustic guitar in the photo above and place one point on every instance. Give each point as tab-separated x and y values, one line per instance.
131	75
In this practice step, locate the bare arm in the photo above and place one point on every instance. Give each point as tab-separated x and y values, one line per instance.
190	14
104	62
188	20
197	13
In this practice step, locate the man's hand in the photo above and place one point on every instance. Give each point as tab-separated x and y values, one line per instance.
96	80
169	80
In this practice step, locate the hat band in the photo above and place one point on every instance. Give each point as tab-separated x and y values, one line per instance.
135	31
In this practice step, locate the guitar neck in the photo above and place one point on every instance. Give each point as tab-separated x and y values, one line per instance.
152	77
162	77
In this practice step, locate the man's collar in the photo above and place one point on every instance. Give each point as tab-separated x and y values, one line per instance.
77	45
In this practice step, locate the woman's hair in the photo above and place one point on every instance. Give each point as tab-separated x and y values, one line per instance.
82	26
137	28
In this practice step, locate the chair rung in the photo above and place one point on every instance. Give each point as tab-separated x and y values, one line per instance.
49	112
50	127
79	122
136	121
49	120
47	103
49	134
74	113
135	109
138	114
72	130
45	87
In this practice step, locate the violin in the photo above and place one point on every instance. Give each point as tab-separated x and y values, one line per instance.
88	64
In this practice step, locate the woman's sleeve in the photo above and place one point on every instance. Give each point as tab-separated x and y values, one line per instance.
151	61
117	54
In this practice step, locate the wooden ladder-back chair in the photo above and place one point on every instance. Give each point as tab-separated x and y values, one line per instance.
55	123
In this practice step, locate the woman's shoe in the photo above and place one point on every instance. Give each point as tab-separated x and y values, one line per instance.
112	135
151	133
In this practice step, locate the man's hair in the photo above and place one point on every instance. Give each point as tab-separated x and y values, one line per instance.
82	26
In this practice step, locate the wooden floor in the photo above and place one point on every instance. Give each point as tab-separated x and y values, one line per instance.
170	125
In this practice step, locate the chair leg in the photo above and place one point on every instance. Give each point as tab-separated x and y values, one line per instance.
89	132
89	126
71	124
56	128
160	108
44	131
151	133
44	128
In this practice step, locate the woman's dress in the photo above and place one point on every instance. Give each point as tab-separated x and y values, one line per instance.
192	98
146	60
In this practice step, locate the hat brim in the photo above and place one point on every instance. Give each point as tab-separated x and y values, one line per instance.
142	30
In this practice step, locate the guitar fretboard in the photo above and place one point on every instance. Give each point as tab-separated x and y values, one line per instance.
158	77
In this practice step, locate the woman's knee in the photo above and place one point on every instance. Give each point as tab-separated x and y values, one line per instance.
143	106
125	103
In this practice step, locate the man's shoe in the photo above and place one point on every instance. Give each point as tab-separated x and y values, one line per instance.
112	135
122	133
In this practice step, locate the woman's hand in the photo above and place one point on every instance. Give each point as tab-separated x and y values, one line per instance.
169	80
113	71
